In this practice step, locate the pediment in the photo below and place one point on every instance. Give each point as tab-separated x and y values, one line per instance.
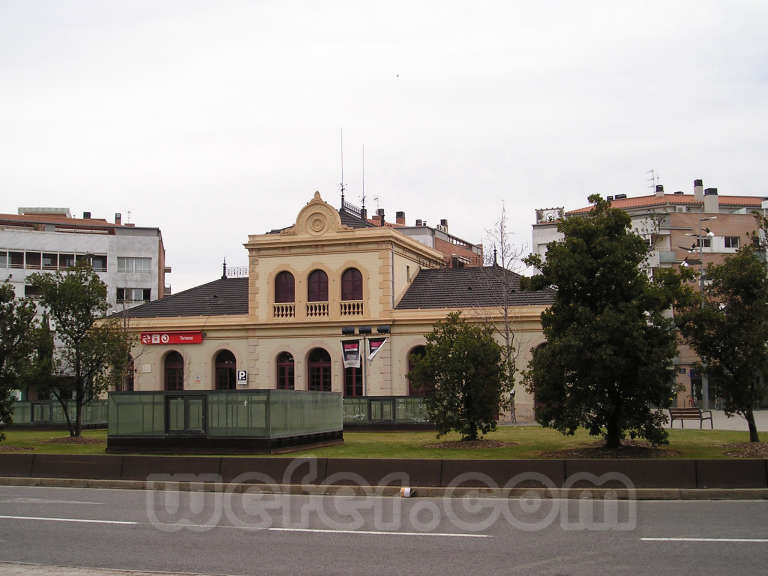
317	218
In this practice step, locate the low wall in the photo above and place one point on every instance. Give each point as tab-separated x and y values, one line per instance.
683	474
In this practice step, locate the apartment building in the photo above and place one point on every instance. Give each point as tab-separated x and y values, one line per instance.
682	229
129	259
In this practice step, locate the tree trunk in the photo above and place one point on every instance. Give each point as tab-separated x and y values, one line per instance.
613	435
750	416
78	413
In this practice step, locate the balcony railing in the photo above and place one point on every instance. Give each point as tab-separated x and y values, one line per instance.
287	310
317	309
352	308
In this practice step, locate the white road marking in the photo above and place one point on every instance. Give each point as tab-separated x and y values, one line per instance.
44	501
82	520
379	533
749	540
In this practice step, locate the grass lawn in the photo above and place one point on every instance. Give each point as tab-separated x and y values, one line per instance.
518	443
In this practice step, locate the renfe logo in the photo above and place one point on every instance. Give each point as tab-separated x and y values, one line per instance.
149	338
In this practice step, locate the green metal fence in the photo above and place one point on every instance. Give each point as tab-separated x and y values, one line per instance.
229	413
51	413
220	414
385	411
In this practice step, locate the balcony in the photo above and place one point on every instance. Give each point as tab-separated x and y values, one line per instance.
352	308
284	310
317	309
668	257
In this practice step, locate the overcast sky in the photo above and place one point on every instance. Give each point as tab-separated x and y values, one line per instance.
215	120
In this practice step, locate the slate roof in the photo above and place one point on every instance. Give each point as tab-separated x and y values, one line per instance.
468	288
352	220
217	298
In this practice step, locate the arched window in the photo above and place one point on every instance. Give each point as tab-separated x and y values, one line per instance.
317	287
284	288
319	370
127	385
225	371
285	371
174	371
351	284
416	353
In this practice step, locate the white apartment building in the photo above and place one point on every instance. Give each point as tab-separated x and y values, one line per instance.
129	259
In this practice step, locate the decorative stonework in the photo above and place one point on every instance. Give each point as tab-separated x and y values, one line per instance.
317	218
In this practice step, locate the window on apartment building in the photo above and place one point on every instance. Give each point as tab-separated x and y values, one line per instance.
317	287
3	259
134	264
50	261
351	284
66	261
133	295
704	242
319	370
99	263
225	370
285	288
33	261
32	291
16	259
285	371
732	241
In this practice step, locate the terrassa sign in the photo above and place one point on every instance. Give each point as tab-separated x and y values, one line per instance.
171	337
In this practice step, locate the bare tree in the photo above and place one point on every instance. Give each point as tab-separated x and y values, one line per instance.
503	261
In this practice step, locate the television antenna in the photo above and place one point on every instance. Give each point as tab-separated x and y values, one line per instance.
341	185
653	179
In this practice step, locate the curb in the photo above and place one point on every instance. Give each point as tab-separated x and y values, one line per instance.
394	491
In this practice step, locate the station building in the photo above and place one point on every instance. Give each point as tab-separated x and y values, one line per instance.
333	277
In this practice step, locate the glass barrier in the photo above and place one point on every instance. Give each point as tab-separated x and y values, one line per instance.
298	413
137	414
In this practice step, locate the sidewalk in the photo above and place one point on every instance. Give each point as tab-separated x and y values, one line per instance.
21	569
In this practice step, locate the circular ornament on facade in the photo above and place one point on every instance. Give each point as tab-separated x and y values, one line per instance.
318	223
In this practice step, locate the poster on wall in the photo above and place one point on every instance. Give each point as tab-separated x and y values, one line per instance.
350	351
374	345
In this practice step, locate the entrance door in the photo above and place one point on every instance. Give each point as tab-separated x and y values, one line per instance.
185	415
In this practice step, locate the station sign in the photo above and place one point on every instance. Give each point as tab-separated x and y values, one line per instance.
175	338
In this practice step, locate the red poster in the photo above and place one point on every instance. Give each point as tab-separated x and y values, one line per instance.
150	338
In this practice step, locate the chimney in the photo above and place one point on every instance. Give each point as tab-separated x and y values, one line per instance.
418	222
698	190
711	201
444	224
659	190
86	215
400	217
380	213
118	218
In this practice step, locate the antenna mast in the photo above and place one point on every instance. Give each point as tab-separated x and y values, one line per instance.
363	198
343	188
654	178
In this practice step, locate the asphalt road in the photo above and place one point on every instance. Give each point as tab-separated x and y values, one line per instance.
253	534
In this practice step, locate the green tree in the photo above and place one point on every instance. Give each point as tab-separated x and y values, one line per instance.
607	363
17	326
90	345
728	327
462	375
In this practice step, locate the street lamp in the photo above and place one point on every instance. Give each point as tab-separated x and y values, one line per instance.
700	243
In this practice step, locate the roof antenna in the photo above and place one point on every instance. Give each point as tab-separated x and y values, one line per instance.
363	176
654	178
224	270
343	188
494	256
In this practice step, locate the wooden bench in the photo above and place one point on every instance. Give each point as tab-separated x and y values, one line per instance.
684	414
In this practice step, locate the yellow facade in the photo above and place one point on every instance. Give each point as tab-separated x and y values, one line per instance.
388	262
